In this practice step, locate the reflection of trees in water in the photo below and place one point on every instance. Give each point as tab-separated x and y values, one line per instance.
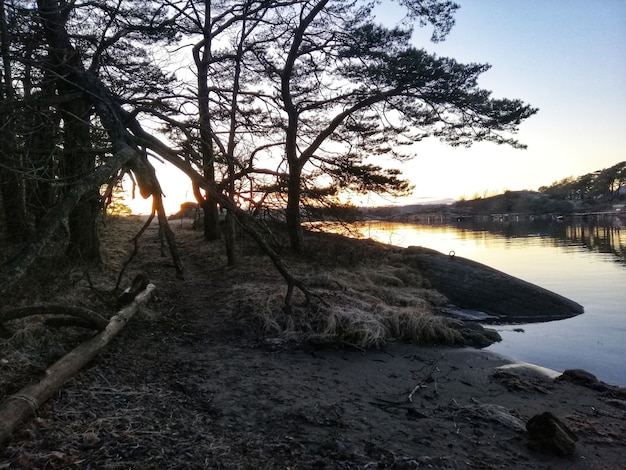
603	238
599	234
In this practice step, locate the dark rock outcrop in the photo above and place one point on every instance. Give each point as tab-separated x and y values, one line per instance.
471	285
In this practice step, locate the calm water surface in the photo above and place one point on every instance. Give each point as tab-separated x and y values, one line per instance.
580	260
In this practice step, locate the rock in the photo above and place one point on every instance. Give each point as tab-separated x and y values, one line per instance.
475	286
579	377
588	380
467	314
496	413
548	434
475	335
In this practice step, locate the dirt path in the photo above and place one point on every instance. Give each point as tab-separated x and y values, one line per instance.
190	386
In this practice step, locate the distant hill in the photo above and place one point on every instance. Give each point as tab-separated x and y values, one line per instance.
600	191
604	185
517	202
603	191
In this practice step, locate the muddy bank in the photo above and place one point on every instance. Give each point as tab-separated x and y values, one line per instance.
224	403
475	286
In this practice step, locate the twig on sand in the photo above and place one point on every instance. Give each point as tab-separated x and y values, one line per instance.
417	387
429	377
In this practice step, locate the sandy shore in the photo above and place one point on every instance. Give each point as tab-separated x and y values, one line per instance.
219	402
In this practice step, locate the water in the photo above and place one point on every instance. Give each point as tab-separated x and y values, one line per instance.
581	260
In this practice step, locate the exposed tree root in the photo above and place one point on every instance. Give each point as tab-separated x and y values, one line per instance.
89	317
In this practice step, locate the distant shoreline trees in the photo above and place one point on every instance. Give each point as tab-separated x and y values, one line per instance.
606	184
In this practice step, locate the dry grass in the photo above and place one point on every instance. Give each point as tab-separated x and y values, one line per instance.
366	296
351	316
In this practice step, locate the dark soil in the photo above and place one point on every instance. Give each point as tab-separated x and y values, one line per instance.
194	383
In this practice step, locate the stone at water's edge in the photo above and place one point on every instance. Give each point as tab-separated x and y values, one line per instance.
471	285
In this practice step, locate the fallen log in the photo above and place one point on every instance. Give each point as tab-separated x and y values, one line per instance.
22	405
475	286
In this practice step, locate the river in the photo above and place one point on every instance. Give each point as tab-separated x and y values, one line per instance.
583	260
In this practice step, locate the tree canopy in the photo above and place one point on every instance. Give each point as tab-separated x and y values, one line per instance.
281	104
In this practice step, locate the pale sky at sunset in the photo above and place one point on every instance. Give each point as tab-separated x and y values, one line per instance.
565	57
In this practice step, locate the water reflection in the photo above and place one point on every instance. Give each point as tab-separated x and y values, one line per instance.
601	235
600	238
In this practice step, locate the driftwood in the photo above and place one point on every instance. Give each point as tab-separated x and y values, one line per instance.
20	406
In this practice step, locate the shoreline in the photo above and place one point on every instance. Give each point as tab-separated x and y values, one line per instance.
219	402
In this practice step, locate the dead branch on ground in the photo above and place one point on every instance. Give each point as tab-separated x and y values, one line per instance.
22	405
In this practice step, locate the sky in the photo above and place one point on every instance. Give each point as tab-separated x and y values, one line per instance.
565	57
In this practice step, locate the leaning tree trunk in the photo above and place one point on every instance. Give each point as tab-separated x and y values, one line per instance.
53	219
106	106
245	220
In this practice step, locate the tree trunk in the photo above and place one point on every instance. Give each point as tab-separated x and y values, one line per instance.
14	207
23	404
78	160
210	214
231	230
202	58
294	222
41	155
84	242
211	218
11	183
